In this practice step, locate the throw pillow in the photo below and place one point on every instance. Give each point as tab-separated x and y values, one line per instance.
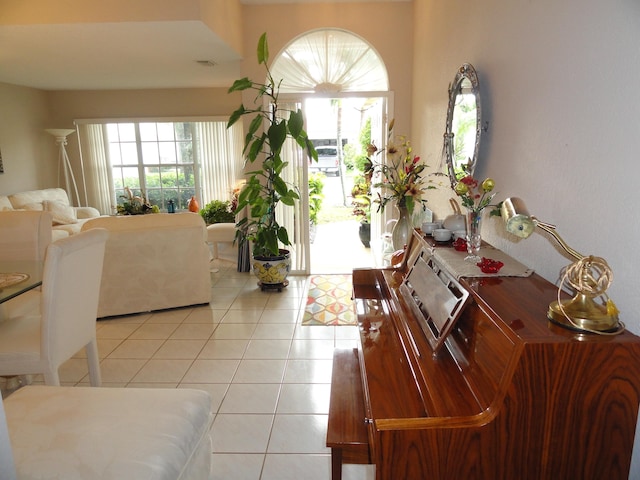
62	214
33	207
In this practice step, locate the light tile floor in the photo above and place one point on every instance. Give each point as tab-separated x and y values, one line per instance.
269	377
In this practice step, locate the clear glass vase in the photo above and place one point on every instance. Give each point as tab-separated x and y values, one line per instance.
474	239
402	229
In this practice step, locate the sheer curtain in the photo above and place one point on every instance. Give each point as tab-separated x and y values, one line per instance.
330	61
97	174
219	151
296	219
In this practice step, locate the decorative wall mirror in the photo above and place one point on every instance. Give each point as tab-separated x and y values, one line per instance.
462	133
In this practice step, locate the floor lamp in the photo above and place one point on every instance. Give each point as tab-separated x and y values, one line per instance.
63	160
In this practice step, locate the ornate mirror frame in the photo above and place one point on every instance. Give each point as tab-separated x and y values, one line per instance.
464	84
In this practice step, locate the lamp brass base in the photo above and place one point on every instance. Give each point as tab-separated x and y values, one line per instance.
585	315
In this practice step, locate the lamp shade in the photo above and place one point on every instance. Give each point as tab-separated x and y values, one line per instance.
516	217
60	133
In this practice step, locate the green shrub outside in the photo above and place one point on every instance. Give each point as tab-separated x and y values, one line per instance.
316	185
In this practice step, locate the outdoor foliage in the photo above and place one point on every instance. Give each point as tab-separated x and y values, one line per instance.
316	185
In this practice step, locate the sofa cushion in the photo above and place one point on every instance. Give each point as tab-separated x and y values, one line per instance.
62	214
57	234
19	200
110	433
70	228
32	207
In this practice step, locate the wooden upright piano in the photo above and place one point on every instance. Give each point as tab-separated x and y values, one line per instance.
499	393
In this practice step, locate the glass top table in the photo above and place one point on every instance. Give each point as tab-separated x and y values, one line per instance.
17	277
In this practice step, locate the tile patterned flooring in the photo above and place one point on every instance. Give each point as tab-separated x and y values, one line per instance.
269	377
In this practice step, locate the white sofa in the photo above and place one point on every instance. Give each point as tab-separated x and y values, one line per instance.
153	262
67	219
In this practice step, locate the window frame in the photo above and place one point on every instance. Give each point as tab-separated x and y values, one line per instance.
179	194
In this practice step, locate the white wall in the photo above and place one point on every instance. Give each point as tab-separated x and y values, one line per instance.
29	153
558	86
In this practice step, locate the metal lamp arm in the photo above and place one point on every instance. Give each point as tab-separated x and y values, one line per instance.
551	230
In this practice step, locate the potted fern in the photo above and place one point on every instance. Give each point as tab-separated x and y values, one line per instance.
265	188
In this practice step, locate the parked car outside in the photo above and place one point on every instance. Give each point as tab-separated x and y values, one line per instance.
327	161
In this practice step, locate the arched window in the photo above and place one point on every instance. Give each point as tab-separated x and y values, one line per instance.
330	61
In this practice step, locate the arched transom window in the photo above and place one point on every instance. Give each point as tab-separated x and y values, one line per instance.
330	61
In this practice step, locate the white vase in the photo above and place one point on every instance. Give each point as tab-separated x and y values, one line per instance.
402	229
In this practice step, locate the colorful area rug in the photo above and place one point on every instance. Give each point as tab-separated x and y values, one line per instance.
329	301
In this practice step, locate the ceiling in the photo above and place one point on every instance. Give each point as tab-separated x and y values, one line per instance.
120	55
106	56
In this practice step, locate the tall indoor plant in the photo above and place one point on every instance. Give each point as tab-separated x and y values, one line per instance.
265	188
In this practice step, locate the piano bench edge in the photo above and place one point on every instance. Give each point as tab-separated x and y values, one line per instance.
347	434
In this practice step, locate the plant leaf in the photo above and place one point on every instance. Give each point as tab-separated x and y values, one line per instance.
236	115
277	135
280	186
255	149
283	236
240	84
296	123
263	49
311	150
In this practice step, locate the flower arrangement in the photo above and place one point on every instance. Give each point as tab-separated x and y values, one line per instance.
135	204
401	177
475	196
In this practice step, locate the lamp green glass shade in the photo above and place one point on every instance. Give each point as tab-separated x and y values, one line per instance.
516	217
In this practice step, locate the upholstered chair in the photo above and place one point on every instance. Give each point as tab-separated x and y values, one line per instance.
40	343
23	236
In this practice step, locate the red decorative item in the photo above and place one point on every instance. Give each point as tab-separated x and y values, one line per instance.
460	244
488	265
193	205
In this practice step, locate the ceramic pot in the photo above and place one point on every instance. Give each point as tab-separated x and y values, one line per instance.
365	234
272	270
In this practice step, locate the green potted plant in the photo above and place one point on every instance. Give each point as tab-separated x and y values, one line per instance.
360	193
135	204
265	188
217	211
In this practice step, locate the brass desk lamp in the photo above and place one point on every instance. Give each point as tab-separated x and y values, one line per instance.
589	276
